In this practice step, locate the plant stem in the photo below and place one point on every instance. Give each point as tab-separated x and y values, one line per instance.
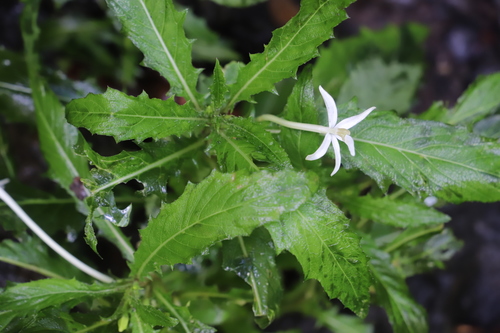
49	241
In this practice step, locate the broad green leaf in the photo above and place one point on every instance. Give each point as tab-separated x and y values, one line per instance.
219	89
393	212
393	43
344	323
291	45
240	141
155	27
57	137
133	118
318	235
30	253
391	292
252	259
222	206
186	321
388	86
479	100
425	156
301	108
37	295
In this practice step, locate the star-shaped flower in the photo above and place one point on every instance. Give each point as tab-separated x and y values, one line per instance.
338	131
333	132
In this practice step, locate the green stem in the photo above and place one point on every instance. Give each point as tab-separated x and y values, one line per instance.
33	268
48	240
258	304
172	310
395	245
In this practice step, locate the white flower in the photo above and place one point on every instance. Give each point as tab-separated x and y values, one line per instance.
333	132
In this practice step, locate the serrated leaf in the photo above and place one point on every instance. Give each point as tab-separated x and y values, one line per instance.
153	316
133	118
155	27
221	207
253	259
426	156
239	141
218	89
318	235
391	292
291	46
37	295
392	212
31	254
480	99
301	108
388	86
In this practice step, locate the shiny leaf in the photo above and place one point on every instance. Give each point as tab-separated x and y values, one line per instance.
318	235
222	206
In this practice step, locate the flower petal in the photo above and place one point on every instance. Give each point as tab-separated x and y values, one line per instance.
321	150
350	144
352	121
336	149
331	107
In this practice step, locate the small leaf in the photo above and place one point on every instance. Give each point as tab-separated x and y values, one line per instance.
488	127
252	259
392	294
396	213
425	156
318	235
37	295
291	46
221	207
155	27
240	141
153	316
219	89
301	108
479	100
133	118
388	86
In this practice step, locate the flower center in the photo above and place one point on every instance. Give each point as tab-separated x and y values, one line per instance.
342	132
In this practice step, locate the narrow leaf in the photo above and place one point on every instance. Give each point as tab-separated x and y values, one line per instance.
37	295
480	99
240	141
252	259
396	213
219	89
221	207
155	27
391	292
291	46
318	235
426	156
133	118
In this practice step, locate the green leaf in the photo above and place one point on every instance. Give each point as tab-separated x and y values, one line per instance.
301	108
37	295
388	86
479	100
396	213
291	45
133	118
219	89
344	323
318	235
393	43
30	253
153	316
252	259
181	313
392	294
425	156
240	141
488	127
222	206
155	27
